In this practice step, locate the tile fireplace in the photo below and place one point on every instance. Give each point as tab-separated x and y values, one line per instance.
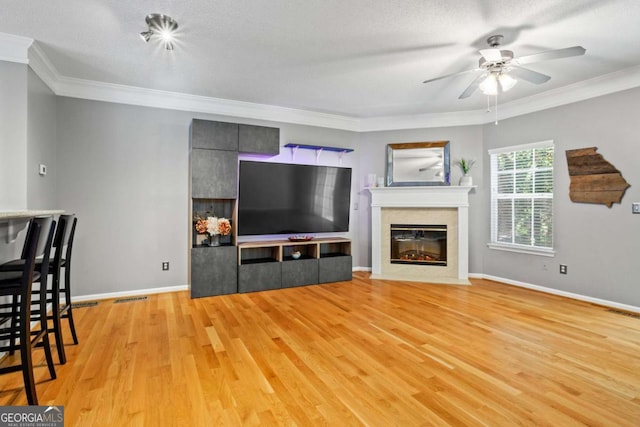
420	234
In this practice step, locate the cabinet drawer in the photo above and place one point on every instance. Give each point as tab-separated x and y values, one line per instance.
335	269
299	272
259	276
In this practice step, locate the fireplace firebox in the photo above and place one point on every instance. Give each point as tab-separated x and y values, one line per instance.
419	244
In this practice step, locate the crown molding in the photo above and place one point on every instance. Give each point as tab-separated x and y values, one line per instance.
42	66
617	81
131	95
16	47
417	121
108	92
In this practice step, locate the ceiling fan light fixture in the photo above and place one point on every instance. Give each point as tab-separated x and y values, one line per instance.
506	82
489	86
497	82
496	64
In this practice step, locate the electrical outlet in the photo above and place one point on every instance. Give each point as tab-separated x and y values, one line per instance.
42	169
563	269
165	265
635	207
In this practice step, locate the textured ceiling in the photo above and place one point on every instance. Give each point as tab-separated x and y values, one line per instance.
359	58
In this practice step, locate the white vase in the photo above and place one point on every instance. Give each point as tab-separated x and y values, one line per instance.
466	181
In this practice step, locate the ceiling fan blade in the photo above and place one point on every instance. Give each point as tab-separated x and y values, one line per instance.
451	75
473	86
528	75
491	55
551	54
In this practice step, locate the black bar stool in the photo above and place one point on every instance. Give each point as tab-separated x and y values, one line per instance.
65	232
62	259
15	319
66	310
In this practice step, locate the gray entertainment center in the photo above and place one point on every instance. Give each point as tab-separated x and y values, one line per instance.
255	265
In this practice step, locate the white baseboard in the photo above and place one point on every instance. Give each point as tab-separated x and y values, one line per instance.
361	268
544	289
131	293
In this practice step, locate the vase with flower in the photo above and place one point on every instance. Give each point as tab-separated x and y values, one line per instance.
465	166
214	227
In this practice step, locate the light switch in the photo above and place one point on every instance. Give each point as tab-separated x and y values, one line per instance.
635	207
43	169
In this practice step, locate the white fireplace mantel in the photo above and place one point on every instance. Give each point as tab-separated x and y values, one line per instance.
425	198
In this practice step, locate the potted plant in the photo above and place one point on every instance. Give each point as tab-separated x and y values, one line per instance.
465	166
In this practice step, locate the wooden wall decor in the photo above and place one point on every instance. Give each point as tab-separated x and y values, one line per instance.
593	179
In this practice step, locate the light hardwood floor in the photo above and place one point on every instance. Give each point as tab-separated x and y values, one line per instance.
365	352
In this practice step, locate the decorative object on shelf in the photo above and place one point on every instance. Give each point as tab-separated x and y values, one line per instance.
594	179
465	166
214	227
417	164
300	238
296	254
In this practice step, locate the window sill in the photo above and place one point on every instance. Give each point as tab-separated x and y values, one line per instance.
522	249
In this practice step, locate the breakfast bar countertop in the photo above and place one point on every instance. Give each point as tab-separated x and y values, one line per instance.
7	215
12	222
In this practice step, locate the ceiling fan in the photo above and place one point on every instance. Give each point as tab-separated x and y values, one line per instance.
500	70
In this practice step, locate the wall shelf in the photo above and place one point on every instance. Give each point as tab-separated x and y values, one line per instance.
318	149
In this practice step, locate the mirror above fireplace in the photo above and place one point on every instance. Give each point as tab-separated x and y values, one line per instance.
418	163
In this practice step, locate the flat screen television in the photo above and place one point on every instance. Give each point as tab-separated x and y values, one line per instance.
281	198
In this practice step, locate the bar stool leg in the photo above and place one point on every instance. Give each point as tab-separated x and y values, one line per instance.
49	357
25	357
73	327
55	317
67	300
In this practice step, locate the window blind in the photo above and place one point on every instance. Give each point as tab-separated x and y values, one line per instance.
522	196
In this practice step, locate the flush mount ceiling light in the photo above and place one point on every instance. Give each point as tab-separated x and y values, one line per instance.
163	26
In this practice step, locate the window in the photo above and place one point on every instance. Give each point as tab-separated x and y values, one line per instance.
522	198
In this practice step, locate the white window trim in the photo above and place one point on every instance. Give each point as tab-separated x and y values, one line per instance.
522	147
514	247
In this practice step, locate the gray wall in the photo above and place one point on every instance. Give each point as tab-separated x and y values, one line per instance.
41	144
465	141
13	136
600	245
124	171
